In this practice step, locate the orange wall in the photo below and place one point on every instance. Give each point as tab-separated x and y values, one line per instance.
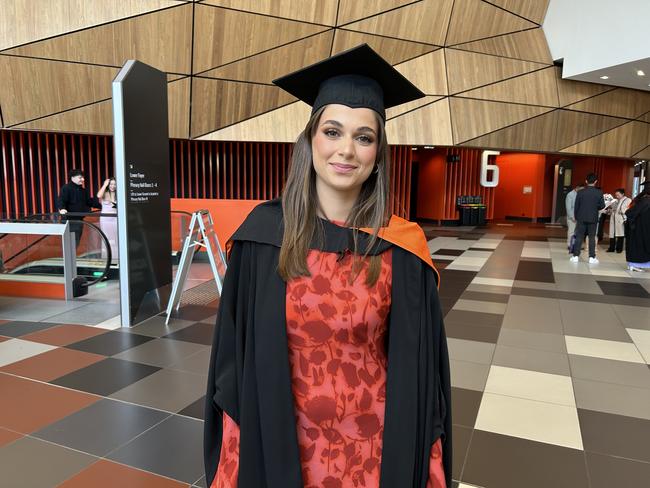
517	170
431	184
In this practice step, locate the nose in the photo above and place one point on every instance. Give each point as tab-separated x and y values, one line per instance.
346	148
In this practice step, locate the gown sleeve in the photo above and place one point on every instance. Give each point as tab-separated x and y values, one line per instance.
436	469
228	469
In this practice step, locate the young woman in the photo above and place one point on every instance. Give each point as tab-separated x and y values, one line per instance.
107	196
329	364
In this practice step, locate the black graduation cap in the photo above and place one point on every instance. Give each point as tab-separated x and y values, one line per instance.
358	77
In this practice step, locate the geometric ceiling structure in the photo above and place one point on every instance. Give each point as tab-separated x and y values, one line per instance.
484	65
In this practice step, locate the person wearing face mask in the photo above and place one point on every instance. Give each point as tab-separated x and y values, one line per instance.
74	198
329	364
107	196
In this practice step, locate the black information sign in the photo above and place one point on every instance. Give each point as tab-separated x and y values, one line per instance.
143	196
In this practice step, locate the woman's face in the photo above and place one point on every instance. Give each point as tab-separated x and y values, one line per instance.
344	148
112	185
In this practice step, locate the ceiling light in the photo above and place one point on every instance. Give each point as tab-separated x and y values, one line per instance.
605	77
640	72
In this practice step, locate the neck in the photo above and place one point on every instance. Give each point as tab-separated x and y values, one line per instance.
334	204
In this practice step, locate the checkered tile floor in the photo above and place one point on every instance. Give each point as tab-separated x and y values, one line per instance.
550	376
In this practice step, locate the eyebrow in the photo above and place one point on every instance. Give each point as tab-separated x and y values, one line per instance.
338	124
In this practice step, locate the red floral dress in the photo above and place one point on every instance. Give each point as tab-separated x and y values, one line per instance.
336	332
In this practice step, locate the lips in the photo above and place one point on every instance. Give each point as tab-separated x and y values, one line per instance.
343	167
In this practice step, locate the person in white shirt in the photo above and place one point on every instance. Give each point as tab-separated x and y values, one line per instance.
617	221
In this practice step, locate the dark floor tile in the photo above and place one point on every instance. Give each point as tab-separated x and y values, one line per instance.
101	427
106	377
474	318
472	332
111	343
540	293
173	448
608	471
615	435
485	297
194	312
450	252
18	328
535	271
198	333
622	289
499	461
461	436
484	249
195	409
465	404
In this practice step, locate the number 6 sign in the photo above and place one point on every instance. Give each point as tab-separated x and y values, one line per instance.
485	167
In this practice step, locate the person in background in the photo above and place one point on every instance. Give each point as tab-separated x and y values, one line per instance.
617	221
107	196
637	230
588	202
74	198
570	203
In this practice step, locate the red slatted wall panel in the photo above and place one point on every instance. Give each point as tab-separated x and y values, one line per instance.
464	178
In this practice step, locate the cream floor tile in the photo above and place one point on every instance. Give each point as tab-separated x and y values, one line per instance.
529	419
532	385
488	243
535	252
599	348
493	282
17	349
470	261
479	306
619	273
566	266
470	376
111	324
464	267
641	339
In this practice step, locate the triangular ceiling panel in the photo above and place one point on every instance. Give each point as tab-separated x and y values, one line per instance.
534	10
269	65
64	86
178	103
528	45
393	50
427	72
96	118
473	118
536	134
167	44
620	102
571	91
574	127
217	104
537	88
476	19
645	117
430	124
223	36
469	70
424	21
625	140
55	17
316	11
643	154
280	125
351	10
391	113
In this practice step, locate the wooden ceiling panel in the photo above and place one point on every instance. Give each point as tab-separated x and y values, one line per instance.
474	118
643	154
425	21
620	102
281	125
528	45
537	88
267	66
645	117
391	113
626	140
351	10
217	104
534	10
393	50
476	19
469	70
574	127
571	91
430	124
229	35
178	105
54	86
427	72
96	118
316	11
537	134
162	39
49	18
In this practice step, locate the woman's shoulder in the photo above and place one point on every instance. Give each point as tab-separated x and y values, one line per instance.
263	224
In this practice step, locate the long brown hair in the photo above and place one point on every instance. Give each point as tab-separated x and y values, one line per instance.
300	206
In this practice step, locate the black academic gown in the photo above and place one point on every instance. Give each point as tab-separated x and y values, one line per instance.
249	375
637	232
